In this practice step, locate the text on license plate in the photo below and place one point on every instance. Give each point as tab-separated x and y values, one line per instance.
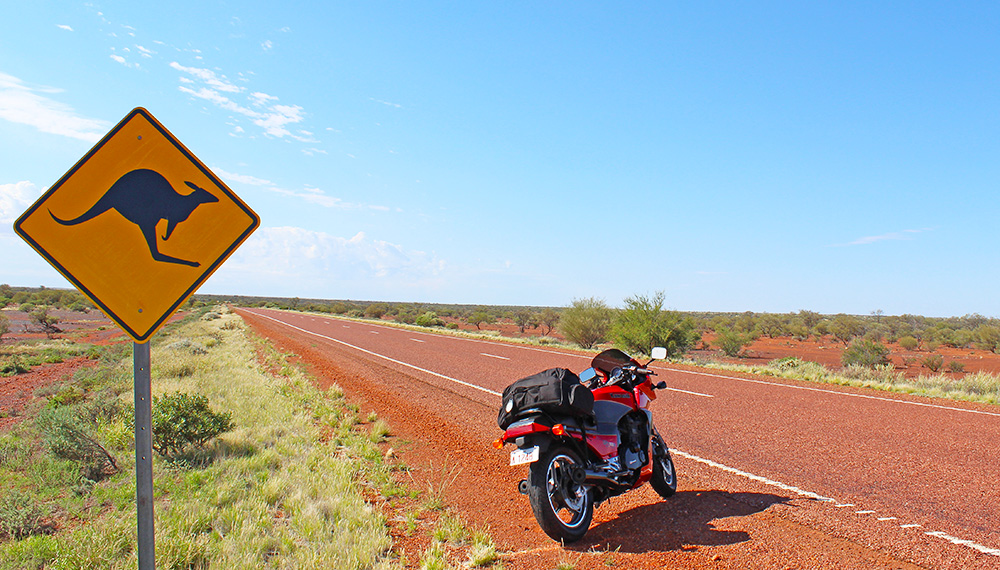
522	456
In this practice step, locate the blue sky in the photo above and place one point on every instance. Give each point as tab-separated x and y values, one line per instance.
770	157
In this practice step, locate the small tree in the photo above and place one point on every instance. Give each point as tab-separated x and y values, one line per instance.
586	322
480	317
549	319
933	362
988	337
732	342
643	324
865	352
41	317
845	328
4	326
524	318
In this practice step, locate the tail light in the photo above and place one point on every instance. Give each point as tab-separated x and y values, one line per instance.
559	429
498	443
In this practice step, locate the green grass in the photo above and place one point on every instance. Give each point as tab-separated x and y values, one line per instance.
979	387
275	492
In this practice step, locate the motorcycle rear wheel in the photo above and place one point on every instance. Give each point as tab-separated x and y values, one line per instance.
563	509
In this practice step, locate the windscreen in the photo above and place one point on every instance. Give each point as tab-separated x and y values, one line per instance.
609	360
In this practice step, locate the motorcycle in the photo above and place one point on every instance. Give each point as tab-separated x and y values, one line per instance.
585	439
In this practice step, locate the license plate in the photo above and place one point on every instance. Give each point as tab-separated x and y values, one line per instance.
522	456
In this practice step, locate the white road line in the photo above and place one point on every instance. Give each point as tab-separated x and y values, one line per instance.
494	356
416	340
689	392
847	394
963	542
752	477
393	360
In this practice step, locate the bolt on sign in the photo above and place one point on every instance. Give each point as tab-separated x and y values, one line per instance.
138	224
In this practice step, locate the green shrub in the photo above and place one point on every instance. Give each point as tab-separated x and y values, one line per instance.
180	420
4	325
67	436
988	337
20	516
14	365
429	319
909	343
933	362
643	324
732	342
864	352
586	322
956	366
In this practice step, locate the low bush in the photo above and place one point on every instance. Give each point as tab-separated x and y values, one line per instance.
181	420
67	435
909	343
864	352
934	362
732	342
20	516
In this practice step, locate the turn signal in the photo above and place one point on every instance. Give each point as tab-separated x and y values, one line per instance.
498	443
558	429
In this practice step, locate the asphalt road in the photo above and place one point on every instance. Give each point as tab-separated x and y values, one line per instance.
858	476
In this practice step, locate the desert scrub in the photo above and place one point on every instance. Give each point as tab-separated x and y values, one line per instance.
980	387
273	492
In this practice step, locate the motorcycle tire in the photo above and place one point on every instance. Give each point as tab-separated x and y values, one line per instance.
562	508
664	479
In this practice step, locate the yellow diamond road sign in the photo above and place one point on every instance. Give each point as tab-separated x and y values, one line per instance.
138	224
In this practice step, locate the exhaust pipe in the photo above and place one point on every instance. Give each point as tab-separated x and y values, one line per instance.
599	478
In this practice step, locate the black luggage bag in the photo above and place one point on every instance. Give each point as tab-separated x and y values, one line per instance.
557	391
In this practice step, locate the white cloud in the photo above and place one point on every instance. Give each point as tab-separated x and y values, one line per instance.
310	194
267	45
305	257
145	52
15	199
22	104
208	77
266	113
241	178
64	27
386	103
904	235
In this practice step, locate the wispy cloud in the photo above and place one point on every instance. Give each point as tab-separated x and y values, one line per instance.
64	27
22	104
386	103
318	261
262	109
310	194
904	235
15	199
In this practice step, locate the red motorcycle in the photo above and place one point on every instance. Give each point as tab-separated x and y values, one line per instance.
585	438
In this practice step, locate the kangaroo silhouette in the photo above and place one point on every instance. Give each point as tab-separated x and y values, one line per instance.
144	197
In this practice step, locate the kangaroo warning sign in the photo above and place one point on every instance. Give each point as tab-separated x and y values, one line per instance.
138	224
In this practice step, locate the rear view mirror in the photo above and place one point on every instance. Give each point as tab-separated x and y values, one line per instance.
659	353
588	375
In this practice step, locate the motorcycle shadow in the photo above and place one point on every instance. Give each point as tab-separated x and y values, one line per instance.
686	519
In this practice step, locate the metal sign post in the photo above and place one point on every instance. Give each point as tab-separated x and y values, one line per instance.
143	456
